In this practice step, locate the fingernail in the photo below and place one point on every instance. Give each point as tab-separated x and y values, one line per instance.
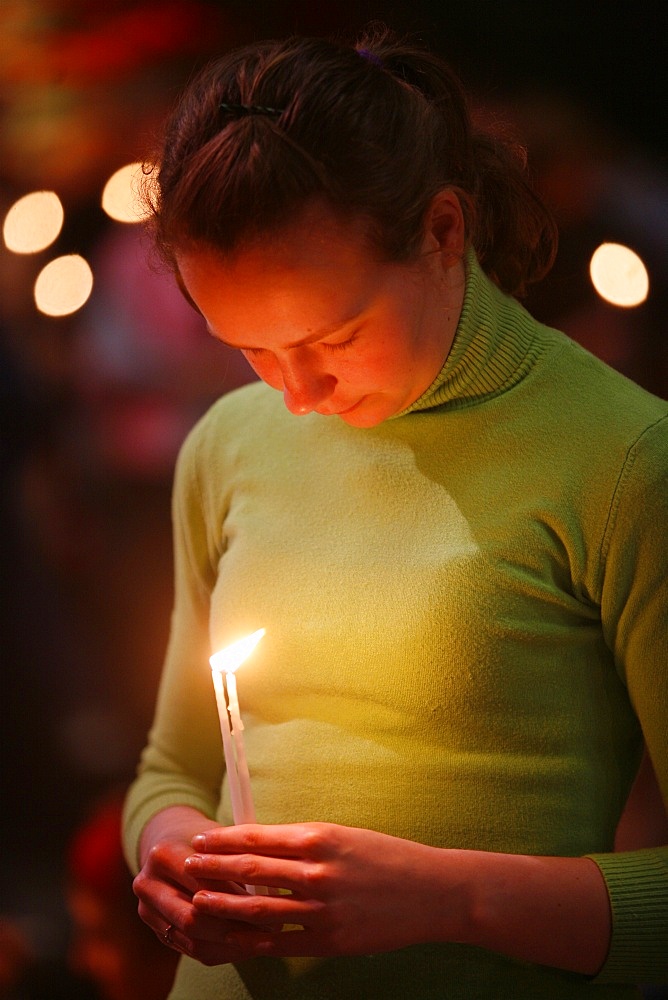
199	842
192	860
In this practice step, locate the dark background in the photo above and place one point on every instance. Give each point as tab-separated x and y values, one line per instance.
93	406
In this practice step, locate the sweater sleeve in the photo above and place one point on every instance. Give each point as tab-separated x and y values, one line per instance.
182	763
634	608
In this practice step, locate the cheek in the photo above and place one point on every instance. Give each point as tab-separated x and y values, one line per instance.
381	367
266	368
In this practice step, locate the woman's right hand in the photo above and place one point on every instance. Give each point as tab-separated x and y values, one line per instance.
163	886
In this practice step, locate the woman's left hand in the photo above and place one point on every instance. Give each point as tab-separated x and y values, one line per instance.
343	891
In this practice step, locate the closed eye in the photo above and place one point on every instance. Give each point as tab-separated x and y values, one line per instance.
252	351
344	343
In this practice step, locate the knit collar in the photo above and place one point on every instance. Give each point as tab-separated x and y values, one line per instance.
494	346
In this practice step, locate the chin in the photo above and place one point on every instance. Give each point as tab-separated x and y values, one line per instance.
360	418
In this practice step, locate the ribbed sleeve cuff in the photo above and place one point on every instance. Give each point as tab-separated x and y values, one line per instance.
637	883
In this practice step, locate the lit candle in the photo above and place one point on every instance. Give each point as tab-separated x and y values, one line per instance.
232	777
226	661
247	808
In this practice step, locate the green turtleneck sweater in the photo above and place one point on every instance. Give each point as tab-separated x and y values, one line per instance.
465	614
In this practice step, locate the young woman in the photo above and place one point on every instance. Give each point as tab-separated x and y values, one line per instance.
449	519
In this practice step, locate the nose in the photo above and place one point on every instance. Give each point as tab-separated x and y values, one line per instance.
305	387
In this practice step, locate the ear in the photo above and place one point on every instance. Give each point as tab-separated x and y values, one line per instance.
444	227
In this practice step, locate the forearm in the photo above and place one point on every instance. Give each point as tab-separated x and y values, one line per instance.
547	910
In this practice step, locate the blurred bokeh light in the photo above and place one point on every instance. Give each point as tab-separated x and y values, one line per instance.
619	275
122	194
63	285
33	222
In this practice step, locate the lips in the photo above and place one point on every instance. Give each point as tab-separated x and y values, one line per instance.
342	413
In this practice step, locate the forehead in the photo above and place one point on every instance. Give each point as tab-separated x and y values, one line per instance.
309	275
317	237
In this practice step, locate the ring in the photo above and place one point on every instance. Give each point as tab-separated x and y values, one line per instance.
167	936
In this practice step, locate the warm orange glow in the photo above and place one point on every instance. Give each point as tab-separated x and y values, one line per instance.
33	222
63	286
232	656
619	275
121	195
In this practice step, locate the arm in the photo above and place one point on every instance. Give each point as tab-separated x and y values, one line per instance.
634	598
359	892
183	761
177	789
644	822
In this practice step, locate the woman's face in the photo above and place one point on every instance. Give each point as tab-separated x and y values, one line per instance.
323	321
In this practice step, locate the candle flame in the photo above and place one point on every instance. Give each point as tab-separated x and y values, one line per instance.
233	656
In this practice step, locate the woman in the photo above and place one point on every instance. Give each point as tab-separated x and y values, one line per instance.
450	526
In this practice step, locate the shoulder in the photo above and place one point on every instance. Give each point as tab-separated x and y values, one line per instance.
236	415
209	447
599	408
640	500
254	402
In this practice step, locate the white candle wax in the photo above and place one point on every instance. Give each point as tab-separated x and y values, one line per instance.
230	762
247	808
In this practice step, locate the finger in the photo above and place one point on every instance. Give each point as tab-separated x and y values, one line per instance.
215	885
293	943
242	944
261	911
165	862
234	947
149	884
185	928
161	895
294	840
161	925
298	877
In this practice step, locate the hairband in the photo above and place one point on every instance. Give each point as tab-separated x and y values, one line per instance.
370	57
245	110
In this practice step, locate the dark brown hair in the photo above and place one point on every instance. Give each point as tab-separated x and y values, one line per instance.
375	129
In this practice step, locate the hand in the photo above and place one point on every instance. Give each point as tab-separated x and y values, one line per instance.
165	888
345	891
